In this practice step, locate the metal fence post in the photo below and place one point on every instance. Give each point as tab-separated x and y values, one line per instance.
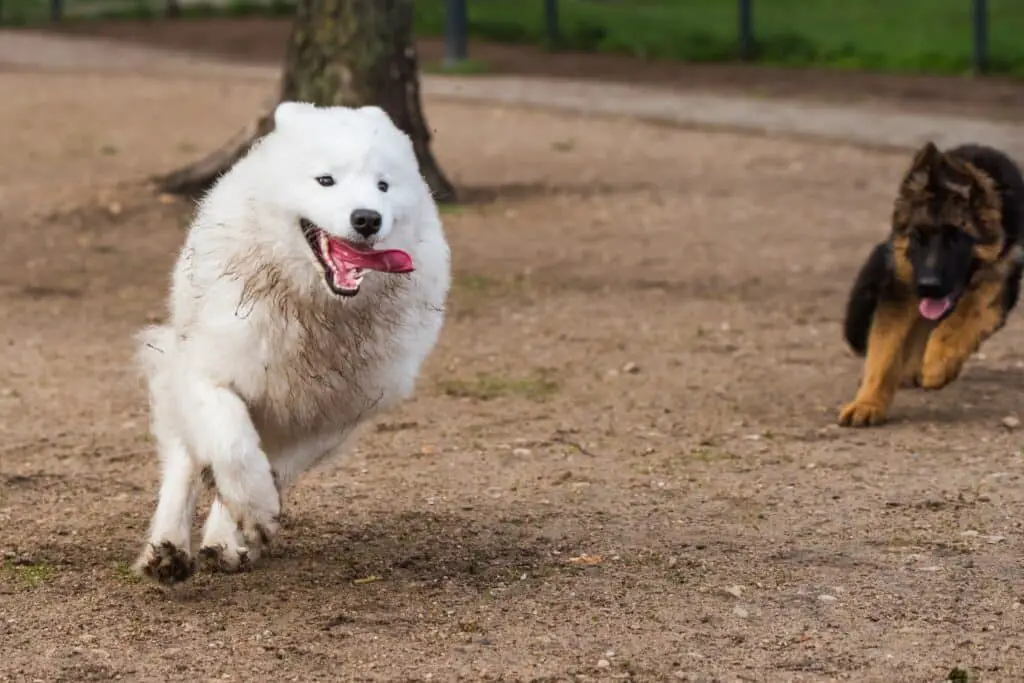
455	30
979	23
56	10
745	18
551	21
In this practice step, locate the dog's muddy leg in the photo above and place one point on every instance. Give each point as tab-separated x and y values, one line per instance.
166	557
975	319
227	439
223	548
893	324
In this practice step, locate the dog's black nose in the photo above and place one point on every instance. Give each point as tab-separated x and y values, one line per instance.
366	222
929	287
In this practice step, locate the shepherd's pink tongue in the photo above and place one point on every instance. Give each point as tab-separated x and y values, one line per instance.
933	309
385	261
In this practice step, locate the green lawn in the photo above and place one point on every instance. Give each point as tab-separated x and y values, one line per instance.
888	35
884	35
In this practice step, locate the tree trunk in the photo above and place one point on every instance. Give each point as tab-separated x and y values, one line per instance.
341	52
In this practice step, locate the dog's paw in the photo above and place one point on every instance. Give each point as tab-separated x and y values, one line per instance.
937	375
259	534
229	560
258	524
861	414
165	563
911	382
252	499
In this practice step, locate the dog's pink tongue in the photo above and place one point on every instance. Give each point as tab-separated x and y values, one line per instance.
933	309
385	261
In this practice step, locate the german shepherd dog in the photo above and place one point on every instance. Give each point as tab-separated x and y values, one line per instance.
943	282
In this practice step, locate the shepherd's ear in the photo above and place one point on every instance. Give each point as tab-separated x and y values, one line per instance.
922	171
287	113
926	158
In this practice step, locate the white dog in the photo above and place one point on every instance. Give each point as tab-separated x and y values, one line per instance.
289	324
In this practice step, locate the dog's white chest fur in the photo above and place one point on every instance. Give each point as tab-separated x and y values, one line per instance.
311	369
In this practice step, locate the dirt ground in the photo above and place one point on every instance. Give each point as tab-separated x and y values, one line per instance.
640	368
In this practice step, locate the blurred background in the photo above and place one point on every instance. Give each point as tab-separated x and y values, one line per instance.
930	36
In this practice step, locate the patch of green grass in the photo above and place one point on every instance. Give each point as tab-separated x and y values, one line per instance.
124	572
464	67
475	283
709	454
450	207
474	294
910	35
563	145
27	575
539	386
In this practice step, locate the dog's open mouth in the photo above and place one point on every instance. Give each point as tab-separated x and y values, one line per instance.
344	264
937	309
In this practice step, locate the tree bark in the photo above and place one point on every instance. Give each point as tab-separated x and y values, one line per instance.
340	52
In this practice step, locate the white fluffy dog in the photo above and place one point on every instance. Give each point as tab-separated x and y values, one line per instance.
289	324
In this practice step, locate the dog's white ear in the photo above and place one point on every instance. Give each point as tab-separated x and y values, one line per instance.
376	114
287	113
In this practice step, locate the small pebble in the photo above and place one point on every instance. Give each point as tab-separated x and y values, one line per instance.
603	664
631	368
734	591
740	612
1011	422
827	598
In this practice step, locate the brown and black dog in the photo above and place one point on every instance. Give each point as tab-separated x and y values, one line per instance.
943	282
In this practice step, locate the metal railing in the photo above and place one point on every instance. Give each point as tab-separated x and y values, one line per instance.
457	30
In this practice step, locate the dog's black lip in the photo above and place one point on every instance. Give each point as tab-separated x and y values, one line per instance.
311	232
955	297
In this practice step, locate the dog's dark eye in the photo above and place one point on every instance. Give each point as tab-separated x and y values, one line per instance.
383	186
325	180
